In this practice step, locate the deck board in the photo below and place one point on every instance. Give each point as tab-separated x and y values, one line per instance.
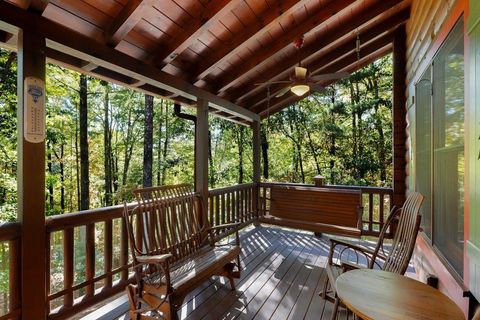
282	274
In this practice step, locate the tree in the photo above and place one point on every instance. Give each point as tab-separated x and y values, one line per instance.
84	161
148	142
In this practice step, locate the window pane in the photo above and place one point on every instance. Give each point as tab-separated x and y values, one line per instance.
424	148
448	157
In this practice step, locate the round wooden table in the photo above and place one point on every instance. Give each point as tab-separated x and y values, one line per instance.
381	295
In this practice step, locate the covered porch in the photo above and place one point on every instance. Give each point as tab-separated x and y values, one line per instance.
211	60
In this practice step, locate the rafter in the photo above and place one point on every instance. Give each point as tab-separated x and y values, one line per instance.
345	62
363	63
251	32
126	20
284	68
37	6
313	24
73	43
214	11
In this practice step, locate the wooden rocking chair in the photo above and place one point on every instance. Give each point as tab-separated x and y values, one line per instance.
395	259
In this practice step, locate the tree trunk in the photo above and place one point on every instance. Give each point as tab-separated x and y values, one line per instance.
84	162
354	131
240	154
77	166
381	152
360	133
62	178
211	169
148	142
165	147
264	145
332	150
107	148
128	149
50	172
314	152
159	146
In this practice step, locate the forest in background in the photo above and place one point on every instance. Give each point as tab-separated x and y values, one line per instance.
104	139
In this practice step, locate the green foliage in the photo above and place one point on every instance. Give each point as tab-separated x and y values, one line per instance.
344	133
336	134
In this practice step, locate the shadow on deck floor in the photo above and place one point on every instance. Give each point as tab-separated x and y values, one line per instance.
282	274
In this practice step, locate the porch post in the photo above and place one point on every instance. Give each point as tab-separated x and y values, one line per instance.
256	163
31	173
399	115
201	161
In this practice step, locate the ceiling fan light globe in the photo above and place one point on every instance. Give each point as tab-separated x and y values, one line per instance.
300	89
300	72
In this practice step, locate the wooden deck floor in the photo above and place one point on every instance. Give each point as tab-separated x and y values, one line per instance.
283	272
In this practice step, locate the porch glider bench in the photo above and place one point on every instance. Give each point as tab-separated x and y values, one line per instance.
323	210
173	251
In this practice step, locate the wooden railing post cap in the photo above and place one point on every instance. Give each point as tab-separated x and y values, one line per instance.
319	180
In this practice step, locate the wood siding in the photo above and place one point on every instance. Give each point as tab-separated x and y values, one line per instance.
426	20
429	24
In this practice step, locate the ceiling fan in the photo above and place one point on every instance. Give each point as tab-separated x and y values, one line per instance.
301	81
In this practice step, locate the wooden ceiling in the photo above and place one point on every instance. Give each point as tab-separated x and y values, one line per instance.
223	47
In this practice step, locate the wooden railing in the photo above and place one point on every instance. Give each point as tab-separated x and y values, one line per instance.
87	252
88	259
10	301
376	202
232	204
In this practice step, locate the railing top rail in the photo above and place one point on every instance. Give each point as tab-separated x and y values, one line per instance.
81	218
332	186
9	231
231	188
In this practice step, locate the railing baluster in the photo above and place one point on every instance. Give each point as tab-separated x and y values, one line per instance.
370	212
14	274
381	205
224	206
123	250
90	258
68	269
108	252
217	210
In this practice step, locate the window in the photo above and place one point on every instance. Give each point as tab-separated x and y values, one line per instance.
440	147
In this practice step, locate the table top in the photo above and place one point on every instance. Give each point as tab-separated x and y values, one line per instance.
378	295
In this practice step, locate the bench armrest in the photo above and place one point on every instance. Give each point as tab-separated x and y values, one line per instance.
232	225
157	264
161	258
225	226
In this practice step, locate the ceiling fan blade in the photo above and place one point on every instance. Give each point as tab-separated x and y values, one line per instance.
282	92
270	82
330	76
316	87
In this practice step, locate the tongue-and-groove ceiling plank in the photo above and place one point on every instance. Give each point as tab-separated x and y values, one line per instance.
223	47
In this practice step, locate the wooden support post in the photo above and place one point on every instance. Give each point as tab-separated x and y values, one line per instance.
399	115
201	156
31	183
256	163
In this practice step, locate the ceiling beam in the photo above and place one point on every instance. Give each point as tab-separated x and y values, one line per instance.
37	6
214	11
80	46
126	20
312	24
352	68
263	24
345	62
333	53
5	36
